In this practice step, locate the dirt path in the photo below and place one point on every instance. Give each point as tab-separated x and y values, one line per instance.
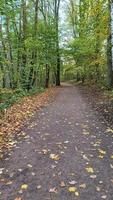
66	146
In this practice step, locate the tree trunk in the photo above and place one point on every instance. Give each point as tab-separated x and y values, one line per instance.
33	72
24	36
57	5
110	46
47	76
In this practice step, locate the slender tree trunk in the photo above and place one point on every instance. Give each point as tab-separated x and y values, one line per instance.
3	50
9	52
33	72
97	49
19	56
110	45
24	36
47	76
57	5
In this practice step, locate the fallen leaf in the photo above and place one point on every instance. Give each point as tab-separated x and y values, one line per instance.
104	197
85	157
9	183
98	189
89	170
29	165
82	186
62	184
72	189
101	156
24	187
109	130
111	166
77	194
85	132
53	190
66	142
102	151
45	151
72	182
39	187
33	174
93	176
55	157
18	198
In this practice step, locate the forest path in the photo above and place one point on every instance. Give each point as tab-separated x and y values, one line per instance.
65	155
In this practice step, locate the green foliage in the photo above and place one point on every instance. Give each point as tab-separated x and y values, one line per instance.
87	51
9	97
27	43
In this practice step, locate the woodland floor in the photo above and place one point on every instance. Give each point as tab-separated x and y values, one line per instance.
65	151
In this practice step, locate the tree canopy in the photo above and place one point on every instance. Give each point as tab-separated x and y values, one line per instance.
31	37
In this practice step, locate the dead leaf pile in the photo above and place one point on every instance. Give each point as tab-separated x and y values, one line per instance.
17	114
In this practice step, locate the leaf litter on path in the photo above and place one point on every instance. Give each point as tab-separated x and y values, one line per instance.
17	114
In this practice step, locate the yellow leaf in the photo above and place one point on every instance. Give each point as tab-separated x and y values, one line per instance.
109	130
112	157
85	132
102	152
101	156
24	187
77	194
89	170
55	157
72	189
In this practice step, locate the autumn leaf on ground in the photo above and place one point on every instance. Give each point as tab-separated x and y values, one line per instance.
109	130
82	186
93	176
39	187
62	184
18	198
85	132
72	189
19	112
111	181
85	157
53	190
102	151
98	189
9	182
29	165
77	193
72	182
24	187
45	151
89	170
111	166
55	157
103	197
101	156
